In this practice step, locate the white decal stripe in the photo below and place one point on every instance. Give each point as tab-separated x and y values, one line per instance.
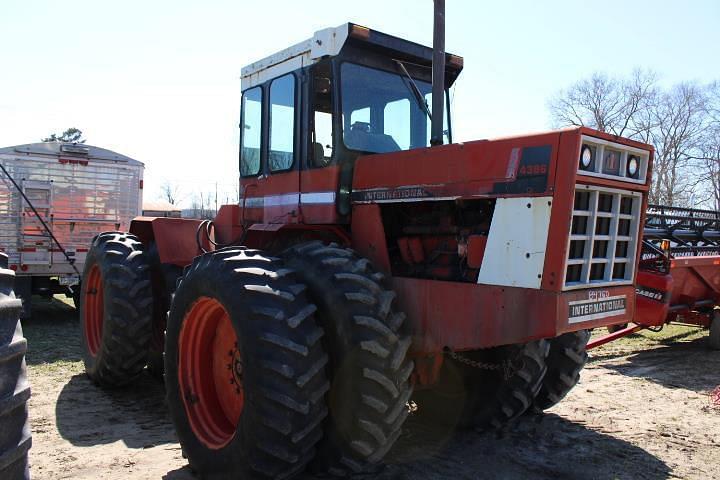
281	200
309	198
319	198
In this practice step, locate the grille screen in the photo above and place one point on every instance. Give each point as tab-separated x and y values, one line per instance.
603	237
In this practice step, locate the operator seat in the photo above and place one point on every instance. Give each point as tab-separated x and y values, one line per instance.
361	137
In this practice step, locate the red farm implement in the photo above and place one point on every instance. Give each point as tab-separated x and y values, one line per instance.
679	276
368	257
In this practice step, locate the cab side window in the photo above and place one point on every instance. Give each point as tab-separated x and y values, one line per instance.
251	132
282	123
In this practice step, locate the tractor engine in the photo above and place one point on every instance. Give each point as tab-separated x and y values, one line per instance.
438	240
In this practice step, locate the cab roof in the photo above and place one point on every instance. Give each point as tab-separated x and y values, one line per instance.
329	42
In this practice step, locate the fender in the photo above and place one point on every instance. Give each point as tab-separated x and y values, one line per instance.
175	237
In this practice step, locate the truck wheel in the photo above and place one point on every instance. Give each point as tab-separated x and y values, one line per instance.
497	397
566	358
164	278
116	309
714	339
244	367
15	438
367	347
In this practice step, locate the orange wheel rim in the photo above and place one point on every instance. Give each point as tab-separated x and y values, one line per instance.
93	309
210	373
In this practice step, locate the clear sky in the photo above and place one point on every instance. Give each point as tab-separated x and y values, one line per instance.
159	80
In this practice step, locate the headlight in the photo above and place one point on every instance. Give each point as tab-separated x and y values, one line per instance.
586	157
632	166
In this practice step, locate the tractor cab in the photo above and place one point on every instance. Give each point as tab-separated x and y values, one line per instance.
309	111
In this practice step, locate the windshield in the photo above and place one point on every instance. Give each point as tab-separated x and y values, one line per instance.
381	113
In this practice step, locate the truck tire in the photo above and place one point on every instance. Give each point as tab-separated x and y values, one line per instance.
367	346
164	279
714	339
15	437
244	367
116	309
566	359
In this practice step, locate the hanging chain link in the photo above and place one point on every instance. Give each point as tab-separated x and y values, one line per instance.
506	366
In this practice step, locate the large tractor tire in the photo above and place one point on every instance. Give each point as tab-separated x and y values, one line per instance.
714	338
164	279
15	438
498	397
487	388
244	367
367	346
566	359
116	309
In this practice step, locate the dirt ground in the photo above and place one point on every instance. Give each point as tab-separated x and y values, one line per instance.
642	410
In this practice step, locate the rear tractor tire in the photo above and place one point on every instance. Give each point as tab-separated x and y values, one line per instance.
714	338
116	309
566	359
15	438
367	345
244	367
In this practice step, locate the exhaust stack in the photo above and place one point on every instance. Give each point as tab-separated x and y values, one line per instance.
438	74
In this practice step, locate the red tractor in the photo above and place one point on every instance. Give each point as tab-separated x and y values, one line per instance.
368	256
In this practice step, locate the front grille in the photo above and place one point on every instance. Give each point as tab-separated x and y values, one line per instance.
603	237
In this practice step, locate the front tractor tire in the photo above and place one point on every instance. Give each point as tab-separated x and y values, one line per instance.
567	357
367	346
487	388
244	367
116	309
498	397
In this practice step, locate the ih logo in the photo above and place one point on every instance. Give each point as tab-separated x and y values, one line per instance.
612	161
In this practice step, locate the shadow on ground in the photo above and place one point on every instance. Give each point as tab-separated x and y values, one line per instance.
53	332
547	447
88	415
689	365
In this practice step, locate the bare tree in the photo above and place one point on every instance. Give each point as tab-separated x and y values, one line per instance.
711	165
681	123
170	192
201	206
613	105
710	147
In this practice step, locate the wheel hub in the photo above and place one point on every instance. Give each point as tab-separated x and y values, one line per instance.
236	369
210	371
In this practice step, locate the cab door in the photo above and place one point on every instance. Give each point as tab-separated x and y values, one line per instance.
269	166
319	182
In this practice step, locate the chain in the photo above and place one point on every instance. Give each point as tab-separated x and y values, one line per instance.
507	367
